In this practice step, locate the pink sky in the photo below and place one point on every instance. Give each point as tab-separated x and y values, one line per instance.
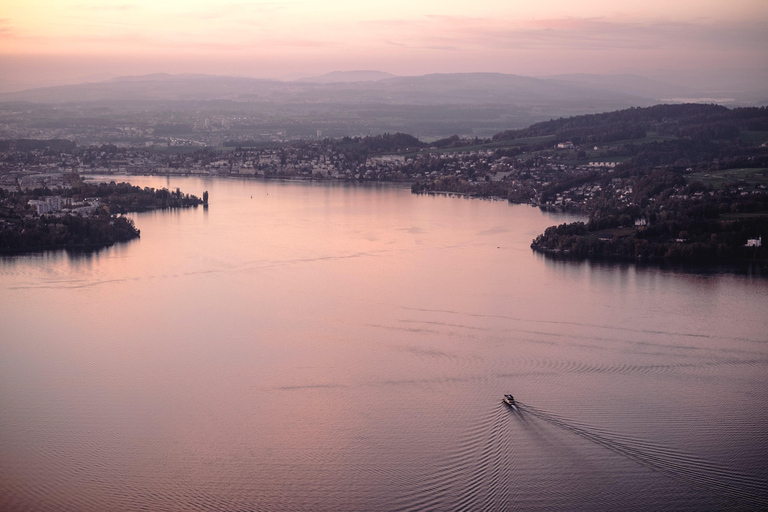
54	41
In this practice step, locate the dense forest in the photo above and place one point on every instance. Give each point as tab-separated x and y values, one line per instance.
687	121
682	135
70	232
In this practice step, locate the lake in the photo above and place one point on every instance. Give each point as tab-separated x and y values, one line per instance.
332	347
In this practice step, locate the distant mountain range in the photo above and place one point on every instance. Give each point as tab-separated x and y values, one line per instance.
369	102
598	92
629	84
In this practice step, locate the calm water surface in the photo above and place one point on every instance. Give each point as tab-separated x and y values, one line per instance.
303	346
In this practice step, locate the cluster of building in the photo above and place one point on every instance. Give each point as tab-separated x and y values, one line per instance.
142	127
65	205
30	179
529	172
578	195
305	160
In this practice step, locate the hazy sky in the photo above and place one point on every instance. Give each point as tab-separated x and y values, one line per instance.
68	39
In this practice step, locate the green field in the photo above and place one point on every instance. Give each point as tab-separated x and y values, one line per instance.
756	176
493	145
650	138
520	142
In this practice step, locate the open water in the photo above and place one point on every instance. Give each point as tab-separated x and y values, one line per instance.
306	346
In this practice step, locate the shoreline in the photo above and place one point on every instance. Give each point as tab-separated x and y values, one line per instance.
31	224
60	247
556	254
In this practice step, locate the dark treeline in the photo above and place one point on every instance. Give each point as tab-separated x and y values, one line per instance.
687	121
124	197
379	144
121	197
70	231
391	142
703	241
373	144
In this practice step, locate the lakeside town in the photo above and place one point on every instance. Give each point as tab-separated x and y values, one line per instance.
49	166
685	181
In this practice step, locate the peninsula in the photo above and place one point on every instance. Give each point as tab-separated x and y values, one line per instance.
78	214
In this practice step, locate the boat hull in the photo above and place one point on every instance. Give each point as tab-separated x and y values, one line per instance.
510	403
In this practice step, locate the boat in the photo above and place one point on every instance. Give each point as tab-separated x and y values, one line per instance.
510	401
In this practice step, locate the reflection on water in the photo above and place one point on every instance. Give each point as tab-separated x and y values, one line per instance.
56	256
306	346
746	268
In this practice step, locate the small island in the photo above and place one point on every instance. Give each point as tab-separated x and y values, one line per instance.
79	215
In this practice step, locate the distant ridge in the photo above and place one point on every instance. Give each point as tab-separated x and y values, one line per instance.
347	76
345	87
635	85
145	78
356	102
168	77
558	94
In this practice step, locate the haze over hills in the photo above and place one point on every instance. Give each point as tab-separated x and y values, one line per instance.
578	90
748	94
628	84
341	103
344	87
337	104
